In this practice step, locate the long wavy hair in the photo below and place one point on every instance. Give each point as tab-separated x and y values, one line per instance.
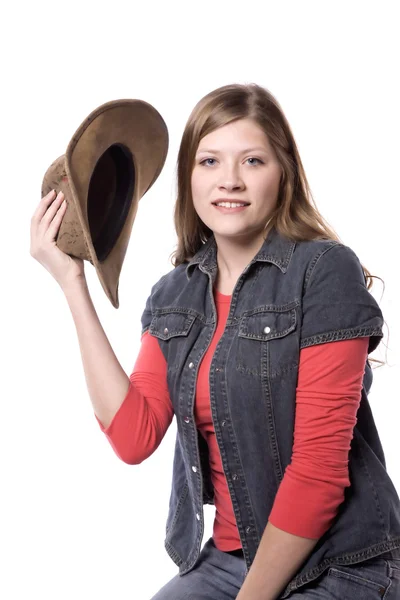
295	216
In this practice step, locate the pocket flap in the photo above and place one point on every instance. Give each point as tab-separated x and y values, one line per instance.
267	325
171	324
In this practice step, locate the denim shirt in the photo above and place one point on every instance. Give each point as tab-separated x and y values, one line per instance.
290	296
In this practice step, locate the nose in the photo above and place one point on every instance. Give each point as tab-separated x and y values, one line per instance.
230	179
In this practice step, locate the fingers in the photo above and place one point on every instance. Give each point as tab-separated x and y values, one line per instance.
43	206
51	211
48	207
54	226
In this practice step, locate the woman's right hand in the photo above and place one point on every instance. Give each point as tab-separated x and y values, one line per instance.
45	224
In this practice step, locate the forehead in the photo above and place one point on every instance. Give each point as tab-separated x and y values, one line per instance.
240	134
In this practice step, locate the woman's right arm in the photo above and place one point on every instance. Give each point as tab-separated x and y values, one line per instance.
106	380
134	412
143	418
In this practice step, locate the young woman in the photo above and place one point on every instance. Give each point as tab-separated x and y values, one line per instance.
258	342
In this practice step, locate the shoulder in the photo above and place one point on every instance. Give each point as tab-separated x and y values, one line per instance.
167	286
327	256
162	293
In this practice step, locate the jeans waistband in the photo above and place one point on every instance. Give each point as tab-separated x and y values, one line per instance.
395	553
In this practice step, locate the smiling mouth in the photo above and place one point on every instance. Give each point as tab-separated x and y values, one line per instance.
230	204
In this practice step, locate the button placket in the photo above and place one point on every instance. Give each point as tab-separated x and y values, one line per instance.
187	420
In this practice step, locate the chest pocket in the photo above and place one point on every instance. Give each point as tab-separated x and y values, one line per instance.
267	324
264	341
170	324
172	328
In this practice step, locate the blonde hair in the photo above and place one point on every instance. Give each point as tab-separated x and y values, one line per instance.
296	216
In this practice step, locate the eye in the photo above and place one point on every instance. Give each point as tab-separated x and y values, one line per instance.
255	161
206	163
210	162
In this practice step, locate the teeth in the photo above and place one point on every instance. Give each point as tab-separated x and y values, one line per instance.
230	204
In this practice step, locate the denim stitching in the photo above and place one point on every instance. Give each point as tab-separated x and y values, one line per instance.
345	559
341	334
181	500
243	332
314	262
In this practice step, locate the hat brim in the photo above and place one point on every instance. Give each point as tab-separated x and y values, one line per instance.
140	128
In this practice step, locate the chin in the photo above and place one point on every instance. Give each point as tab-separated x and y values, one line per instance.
231	233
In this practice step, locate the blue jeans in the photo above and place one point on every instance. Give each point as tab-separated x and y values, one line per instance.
220	575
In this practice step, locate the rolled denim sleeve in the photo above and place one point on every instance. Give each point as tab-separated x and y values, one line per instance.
336	303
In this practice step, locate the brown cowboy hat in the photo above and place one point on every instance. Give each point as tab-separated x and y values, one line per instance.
114	157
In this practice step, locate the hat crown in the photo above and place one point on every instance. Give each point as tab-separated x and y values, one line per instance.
111	161
70	238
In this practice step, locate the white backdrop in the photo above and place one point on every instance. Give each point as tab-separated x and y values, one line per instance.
76	522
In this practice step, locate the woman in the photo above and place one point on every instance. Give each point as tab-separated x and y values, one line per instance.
258	342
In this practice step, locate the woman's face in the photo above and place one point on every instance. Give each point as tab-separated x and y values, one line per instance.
235	163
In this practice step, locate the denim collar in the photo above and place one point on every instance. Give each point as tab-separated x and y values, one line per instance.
276	249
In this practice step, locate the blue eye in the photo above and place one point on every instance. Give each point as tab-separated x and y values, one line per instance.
204	162
210	162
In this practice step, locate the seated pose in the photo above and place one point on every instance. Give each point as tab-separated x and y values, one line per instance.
257	341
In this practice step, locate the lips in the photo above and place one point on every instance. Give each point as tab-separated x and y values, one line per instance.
234	201
225	210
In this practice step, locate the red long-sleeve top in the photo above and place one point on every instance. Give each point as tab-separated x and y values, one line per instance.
328	394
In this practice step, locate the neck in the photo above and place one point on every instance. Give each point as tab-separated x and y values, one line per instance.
233	256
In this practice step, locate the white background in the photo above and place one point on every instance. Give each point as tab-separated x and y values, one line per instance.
76	522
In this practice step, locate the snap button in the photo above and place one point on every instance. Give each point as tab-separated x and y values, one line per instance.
194	469
234	476
166	330
187	420
223	423
248	529
267	329
198	516
191	365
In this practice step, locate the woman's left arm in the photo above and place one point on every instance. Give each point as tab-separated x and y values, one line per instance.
328	394
278	558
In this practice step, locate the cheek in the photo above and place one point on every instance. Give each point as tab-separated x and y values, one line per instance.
197	194
269	188
195	183
200	186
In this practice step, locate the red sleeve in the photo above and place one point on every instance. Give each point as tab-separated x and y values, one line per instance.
328	395
143	418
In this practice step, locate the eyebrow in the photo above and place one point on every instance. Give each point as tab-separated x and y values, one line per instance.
211	151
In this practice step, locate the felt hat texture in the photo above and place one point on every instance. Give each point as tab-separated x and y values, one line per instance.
111	161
